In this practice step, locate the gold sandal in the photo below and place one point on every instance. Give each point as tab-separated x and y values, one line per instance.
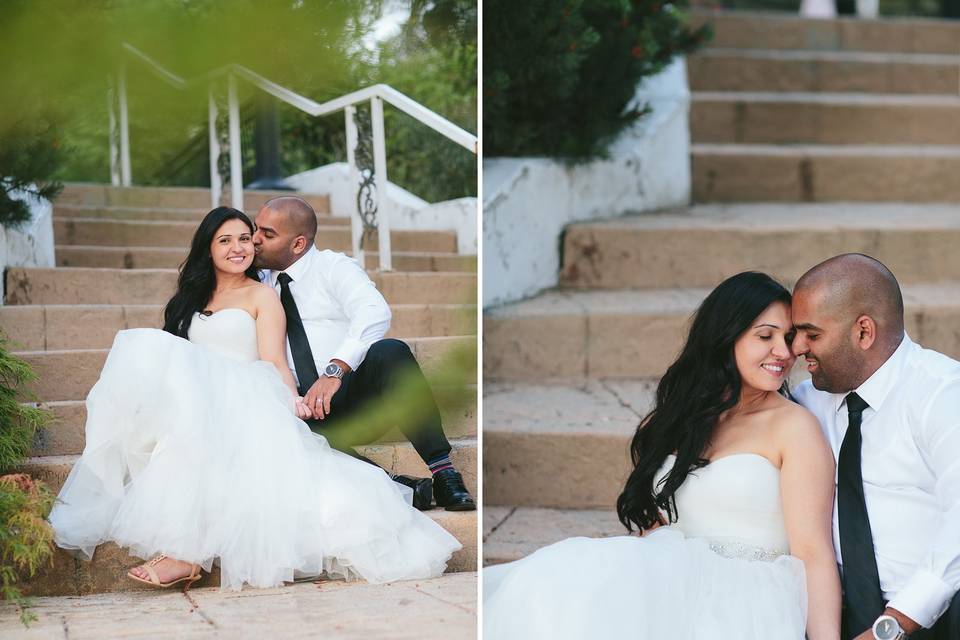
154	580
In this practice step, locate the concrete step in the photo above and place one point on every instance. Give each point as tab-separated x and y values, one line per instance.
92	194
69	285
58	327
395	457
824	118
776	173
107	571
582	335
563	446
70	374
758	30
510	533
173	257
784	240
153	233
827	71
442	608
106	212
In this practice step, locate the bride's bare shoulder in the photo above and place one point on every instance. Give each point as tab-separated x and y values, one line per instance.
798	429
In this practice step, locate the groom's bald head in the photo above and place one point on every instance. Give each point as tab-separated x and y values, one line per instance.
848	316
298	216
854	284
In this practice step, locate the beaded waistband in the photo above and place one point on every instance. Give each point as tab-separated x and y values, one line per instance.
741	551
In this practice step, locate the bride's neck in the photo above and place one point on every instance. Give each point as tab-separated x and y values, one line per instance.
228	281
750	400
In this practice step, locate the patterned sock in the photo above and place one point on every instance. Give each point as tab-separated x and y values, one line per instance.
439	463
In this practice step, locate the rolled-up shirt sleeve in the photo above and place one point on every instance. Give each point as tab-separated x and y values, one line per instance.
928	592
366	308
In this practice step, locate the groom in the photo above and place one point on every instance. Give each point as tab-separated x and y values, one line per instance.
891	413
336	320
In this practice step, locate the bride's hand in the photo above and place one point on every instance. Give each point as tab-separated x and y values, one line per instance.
303	411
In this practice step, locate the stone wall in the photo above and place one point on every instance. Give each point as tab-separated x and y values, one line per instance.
527	202
32	244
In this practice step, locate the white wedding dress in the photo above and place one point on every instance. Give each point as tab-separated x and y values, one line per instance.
723	571
193	450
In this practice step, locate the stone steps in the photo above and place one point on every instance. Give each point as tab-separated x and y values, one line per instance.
758	30
194	215
395	457
173	257
582	335
107	571
823	71
560	445
194	198
442	608
824	118
824	173
159	233
155	286
510	533
784	240
58	327
84	366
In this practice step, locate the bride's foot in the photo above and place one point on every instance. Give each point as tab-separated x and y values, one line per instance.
164	572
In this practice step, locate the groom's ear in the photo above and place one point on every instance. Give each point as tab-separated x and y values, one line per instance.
865	332
299	245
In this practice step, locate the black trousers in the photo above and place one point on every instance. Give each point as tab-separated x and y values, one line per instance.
947	626
388	389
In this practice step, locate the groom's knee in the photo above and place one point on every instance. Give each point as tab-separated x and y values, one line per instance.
389	351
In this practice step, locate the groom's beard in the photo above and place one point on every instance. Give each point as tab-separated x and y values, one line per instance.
837	371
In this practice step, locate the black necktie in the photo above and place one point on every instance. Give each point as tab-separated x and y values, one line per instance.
302	356
861	580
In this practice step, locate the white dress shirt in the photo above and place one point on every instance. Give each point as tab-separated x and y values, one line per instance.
911	474
341	309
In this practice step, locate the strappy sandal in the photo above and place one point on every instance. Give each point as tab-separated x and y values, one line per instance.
154	580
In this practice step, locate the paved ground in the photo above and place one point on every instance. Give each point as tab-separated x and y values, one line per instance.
444	607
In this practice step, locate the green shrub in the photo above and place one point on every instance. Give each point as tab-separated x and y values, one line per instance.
26	539
30	154
559	75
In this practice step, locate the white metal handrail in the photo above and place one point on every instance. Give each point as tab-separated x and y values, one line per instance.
376	95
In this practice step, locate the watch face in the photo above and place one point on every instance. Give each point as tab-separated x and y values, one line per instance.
331	369
886	628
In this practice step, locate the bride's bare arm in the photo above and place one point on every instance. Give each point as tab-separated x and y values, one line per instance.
272	336
807	488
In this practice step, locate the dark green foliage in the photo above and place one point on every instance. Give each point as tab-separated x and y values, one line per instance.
30	153
559	75
26	539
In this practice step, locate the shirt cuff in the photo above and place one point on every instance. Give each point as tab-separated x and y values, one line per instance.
924	599
351	351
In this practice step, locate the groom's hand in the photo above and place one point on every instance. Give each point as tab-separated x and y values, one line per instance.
320	395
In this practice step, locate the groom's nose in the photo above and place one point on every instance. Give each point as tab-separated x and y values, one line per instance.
799	345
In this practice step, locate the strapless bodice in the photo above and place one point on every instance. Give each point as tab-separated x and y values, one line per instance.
230	332
734	502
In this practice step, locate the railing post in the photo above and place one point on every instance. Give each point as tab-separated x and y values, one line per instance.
114	141
380	178
236	160
356	224
216	185
124	128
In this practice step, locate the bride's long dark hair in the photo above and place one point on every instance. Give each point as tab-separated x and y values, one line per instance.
197	277
702	384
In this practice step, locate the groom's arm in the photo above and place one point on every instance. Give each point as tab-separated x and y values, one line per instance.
366	308
937	579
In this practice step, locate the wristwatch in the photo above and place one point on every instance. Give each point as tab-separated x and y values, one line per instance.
333	370
887	628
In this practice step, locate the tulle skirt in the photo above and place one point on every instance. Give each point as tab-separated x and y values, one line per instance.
663	586
197	456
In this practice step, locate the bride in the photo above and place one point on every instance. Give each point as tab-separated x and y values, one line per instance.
732	490
195	449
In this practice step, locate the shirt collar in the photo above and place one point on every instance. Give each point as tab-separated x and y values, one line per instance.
299	268
875	389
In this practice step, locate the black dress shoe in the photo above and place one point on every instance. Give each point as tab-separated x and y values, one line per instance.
450	493
422	491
